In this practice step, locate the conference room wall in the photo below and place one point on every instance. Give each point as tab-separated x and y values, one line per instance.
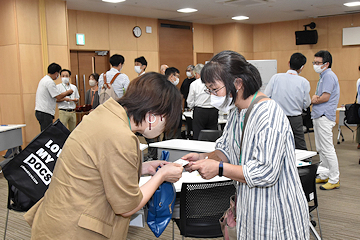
203	39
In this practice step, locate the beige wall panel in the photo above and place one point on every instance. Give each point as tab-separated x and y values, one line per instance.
261	56
346	62
247	55
31	67
95	26
56	22
244	35
261	37
147	41
72	24
208	38
32	125
198	37
335	26
282	58
59	55
355	20
128	67
11	109
347	92
153	60
9	80
7	23
28	21
224	37
283	35
120	32
322	29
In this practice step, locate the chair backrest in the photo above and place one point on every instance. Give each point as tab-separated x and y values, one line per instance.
201	207
209	135
307	177
307	121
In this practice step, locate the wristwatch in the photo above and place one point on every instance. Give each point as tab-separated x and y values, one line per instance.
221	169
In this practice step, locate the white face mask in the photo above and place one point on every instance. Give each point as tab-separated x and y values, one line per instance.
151	131
137	69
176	81
188	74
65	80
318	69
92	83
218	102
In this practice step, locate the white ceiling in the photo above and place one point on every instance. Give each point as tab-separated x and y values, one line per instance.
219	11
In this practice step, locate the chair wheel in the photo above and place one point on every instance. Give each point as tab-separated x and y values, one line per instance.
338	142
313	223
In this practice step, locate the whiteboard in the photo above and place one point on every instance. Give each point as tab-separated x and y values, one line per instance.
267	69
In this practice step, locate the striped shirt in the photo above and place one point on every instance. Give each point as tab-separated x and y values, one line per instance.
271	204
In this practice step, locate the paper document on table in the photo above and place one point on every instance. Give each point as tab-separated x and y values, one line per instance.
301	163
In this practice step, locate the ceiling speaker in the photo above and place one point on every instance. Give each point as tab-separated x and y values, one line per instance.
306	37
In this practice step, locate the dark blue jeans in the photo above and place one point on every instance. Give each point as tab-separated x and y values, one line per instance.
45	119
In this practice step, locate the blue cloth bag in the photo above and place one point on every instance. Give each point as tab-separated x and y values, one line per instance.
161	205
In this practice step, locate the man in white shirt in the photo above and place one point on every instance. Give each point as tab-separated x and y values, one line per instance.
291	92
140	65
122	80
205	115
46	96
67	105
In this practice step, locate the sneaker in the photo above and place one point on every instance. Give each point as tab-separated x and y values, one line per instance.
330	186
319	180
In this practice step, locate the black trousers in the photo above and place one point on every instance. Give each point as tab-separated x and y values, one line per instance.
45	119
296	123
204	118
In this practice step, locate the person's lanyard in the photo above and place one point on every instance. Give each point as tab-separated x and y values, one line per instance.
92	97
67	89
317	86
241	126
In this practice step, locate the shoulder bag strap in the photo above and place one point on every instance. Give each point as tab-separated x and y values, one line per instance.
247	114
113	79
105	83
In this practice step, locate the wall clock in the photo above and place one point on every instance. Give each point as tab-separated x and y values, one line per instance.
137	31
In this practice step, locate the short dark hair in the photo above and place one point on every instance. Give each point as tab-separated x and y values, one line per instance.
54	68
116	59
95	76
153	93
65	70
171	70
297	60
141	60
325	55
227	66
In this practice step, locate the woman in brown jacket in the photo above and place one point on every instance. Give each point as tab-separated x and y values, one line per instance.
95	185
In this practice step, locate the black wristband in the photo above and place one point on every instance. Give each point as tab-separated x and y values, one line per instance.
221	169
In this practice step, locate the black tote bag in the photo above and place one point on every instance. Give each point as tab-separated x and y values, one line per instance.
352	113
31	170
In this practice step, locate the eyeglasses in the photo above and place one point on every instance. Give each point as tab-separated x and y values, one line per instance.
317	63
208	91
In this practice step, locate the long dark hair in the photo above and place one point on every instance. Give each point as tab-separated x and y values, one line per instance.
153	93
227	66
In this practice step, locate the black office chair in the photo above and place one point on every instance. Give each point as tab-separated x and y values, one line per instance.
307	176
209	135
308	126
201	207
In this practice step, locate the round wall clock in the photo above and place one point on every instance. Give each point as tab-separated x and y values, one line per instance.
137	31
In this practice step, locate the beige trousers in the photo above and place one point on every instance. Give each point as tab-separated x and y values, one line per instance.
68	119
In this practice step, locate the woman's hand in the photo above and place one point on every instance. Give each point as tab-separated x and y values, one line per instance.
191	157
207	168
171	172
151	166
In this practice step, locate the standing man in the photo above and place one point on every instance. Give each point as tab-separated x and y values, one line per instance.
292	93
67	105
185	86
205	115
163	69
323	113
173	74
46	96
121	81
140	65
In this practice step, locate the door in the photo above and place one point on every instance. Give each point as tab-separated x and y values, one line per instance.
176	45
203	57
84	63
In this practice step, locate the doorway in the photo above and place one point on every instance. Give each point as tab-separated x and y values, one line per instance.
84	63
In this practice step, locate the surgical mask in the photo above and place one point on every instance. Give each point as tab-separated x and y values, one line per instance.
92	83
137	69
218	102
176	81
65	80
188	74
151	131
318	69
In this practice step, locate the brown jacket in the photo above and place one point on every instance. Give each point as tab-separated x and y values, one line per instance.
95	180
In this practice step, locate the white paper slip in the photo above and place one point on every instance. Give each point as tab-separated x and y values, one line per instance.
182	162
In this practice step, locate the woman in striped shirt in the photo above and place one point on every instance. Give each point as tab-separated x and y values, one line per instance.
270	201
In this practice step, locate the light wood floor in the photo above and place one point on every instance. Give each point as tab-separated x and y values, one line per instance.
339	209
